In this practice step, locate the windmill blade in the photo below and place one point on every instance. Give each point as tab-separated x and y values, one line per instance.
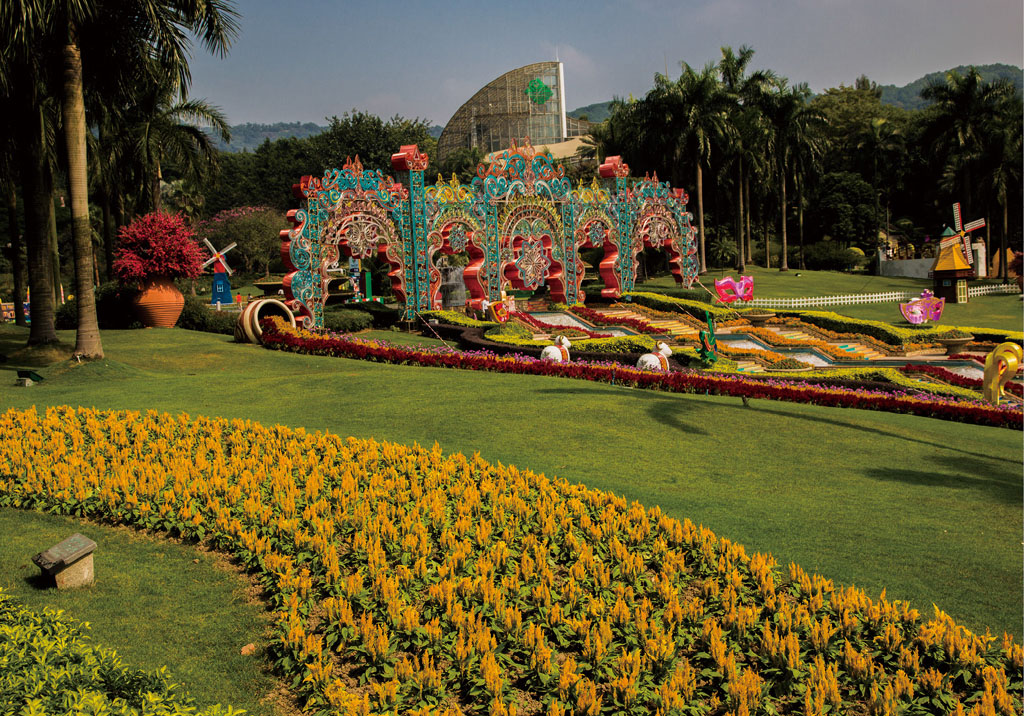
227	248
974	225
210	246
957	222
210	261
226	267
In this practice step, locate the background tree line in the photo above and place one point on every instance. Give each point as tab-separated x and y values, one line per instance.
96	132
780	177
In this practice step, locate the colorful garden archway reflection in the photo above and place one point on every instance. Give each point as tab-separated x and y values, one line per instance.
520	222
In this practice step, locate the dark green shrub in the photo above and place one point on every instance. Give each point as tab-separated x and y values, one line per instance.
50	667
512	329
198	315
830	256
113	309
345	320
383	316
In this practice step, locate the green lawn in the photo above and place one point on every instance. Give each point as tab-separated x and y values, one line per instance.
1001	311
403	339
772	283
155	602
930	510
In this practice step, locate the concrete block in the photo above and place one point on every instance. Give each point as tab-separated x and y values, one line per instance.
69	563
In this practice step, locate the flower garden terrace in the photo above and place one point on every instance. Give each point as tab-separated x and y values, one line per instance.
404	580
520	222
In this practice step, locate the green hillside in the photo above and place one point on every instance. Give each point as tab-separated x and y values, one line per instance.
909	96
598	112
248	136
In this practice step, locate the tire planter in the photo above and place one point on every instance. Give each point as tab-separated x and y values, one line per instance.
247	327
159	303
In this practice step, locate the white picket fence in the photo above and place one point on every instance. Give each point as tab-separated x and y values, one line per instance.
985	290
819	301
855	298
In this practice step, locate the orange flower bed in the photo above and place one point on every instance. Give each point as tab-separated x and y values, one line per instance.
404	580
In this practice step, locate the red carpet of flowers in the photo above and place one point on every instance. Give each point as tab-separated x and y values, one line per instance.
279	336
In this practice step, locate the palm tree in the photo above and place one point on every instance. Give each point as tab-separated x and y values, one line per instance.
962	107
23	74
163	130
1000	162
144	34
796	128
881	140
694	115
8	183
594	145
747	120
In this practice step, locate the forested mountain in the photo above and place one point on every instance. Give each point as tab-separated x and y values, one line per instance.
594	112
248	136
907	97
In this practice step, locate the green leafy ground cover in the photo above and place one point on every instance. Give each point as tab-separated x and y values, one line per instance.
155	603
929	510
51	667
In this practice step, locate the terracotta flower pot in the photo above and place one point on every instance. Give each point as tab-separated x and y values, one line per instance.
759	319
159	303
954	345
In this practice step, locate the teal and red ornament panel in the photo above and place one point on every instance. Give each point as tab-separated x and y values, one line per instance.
520	222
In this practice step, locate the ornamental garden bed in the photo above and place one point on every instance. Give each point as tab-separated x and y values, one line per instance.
279	336
403	579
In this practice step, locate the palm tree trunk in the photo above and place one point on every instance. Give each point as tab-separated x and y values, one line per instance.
16	264
155	190
740	262
108	239
87	337
783	263
54	249
746	195
800	218
1003	267
38	201
767	242
700	216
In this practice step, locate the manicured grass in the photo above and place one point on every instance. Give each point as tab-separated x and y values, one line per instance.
1001	311
402	338
155	602
928	509
772	283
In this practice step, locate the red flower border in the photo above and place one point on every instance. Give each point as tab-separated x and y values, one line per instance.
278	336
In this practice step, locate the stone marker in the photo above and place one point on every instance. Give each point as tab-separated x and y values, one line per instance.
69	563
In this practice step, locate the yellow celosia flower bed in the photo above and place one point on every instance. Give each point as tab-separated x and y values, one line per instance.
409	581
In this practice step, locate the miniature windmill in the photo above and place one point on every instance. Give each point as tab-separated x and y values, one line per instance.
221	291
963	231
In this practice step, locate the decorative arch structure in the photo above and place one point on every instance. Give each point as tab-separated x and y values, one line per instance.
520	221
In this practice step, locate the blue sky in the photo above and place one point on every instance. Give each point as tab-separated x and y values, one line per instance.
305	60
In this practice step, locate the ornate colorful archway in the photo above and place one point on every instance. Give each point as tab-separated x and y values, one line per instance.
520	221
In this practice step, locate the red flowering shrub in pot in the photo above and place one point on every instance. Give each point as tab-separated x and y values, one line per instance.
152	251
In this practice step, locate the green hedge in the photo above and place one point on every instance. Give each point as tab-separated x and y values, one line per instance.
381	315
347	320
615	344
197	315
47	668
697	309
895	335
457	319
